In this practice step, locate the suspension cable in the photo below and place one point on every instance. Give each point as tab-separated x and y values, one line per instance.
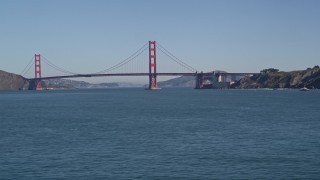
125	61
27	68
118	65
45	60
175	59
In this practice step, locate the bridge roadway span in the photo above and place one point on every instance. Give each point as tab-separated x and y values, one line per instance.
137	74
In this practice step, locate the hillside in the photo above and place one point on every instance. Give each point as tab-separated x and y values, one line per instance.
64	84
73	84
10	81
183	81
309	78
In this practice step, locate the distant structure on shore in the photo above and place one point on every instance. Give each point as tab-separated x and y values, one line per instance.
222	79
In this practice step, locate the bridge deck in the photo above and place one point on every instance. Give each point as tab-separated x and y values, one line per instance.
116	74
137	74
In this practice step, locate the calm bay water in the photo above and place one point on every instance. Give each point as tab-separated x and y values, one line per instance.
165	134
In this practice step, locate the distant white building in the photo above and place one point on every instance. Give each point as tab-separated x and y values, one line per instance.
230	78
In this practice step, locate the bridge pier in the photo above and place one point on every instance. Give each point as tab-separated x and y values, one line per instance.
199	81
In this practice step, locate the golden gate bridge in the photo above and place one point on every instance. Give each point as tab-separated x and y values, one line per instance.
152	73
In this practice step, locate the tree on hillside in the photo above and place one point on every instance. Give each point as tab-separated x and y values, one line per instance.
270	70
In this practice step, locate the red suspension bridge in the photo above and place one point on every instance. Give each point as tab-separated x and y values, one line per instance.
152	72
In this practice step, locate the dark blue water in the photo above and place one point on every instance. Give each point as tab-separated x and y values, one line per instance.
166	134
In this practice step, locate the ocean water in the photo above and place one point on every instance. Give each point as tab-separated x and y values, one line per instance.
165	134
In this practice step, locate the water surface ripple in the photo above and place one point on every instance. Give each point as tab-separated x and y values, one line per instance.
165	134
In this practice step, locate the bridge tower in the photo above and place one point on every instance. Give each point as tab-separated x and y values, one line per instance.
37	68
152	65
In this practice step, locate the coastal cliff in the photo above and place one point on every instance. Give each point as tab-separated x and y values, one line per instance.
10	81
309	78
268	78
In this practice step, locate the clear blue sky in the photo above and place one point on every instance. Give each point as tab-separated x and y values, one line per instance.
231	35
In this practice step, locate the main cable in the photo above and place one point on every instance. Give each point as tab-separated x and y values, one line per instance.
125	61
175	59
45	60
27	68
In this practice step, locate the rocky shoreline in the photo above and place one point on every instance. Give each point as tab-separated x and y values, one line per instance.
268	78
309	78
